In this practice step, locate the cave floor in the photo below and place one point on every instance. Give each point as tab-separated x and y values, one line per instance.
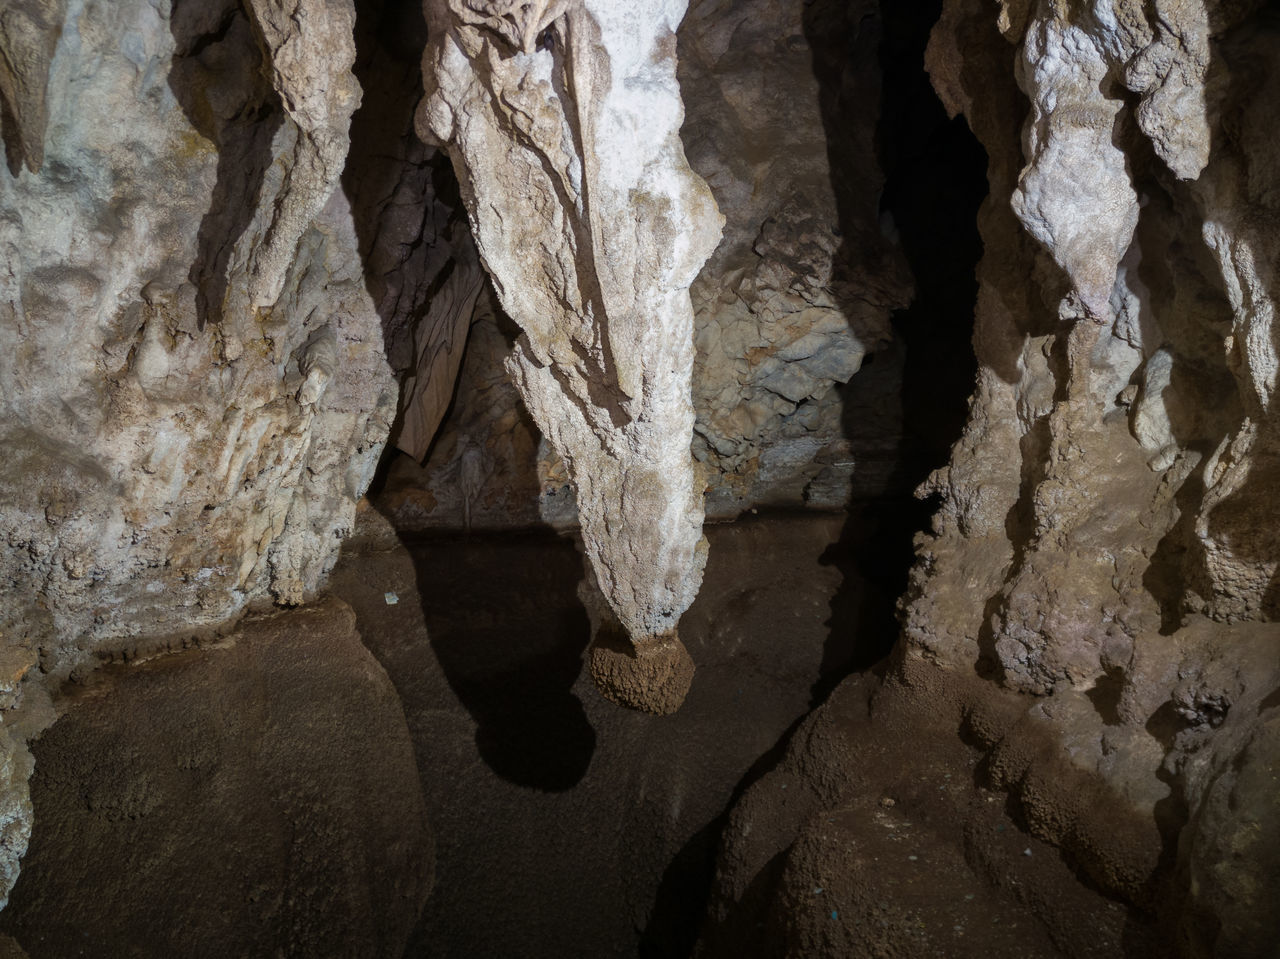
250	799
565	825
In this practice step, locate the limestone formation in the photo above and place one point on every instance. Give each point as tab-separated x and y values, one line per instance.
29	32
781	102
193	393
1131	384
563	122
310	46
784	99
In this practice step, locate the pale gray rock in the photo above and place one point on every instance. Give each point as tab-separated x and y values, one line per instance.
563	122
160	477
193	389
310	46
783	102
1074	195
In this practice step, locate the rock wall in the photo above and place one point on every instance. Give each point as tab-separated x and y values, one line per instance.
1105	507
193	390
1093	609
1130	380
799	290
181	398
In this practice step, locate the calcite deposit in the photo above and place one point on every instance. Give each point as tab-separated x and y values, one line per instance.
781	104
1130	384
1093	607
563	122
193	393
249	243
257	798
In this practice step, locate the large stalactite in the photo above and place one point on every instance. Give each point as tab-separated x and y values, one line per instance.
563	121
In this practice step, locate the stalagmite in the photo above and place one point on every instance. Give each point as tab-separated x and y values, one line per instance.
563	122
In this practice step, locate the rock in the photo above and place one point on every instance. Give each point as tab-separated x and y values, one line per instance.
259	797
193	388
783	102
185	448
1103	542
1231	852
29	32
563	124
798	292
1159	328
653	675
815	861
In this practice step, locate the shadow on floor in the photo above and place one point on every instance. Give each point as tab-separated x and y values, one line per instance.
505	622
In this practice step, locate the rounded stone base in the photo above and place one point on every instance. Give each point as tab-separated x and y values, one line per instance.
652	676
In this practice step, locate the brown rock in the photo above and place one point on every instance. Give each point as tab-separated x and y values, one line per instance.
653	675
258	798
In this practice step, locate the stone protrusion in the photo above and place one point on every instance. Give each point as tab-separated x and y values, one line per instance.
592	226
653	675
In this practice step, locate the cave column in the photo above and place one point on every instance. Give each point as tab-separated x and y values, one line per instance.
562	118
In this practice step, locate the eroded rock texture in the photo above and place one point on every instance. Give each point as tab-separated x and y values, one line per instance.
783	100
563	122
1093	609
781	103
1131	383
176	453
193	393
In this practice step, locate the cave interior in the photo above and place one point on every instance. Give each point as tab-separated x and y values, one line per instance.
574	478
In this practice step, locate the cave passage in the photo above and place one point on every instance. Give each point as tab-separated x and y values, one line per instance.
369	377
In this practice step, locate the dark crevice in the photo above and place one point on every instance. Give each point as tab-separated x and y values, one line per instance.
935	180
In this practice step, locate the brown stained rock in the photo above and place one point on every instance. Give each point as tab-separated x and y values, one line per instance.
258	798
653	675
1231	853
815	862
1110	483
